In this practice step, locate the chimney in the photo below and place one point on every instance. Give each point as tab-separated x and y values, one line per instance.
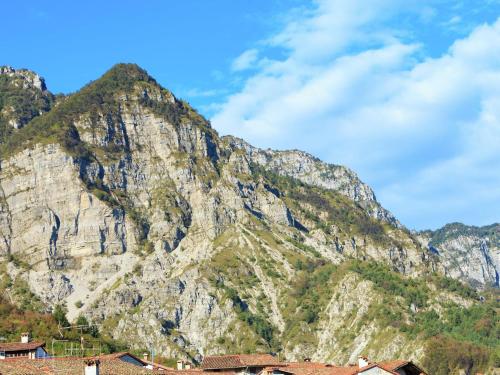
180	365
363	361
145	357
91	366
25	338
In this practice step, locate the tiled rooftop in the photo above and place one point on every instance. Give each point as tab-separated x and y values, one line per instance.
238	361
317	369
69	366
112	364
18	346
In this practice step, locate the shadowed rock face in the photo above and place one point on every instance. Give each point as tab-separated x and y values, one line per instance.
123	203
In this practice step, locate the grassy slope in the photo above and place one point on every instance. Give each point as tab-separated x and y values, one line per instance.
412	307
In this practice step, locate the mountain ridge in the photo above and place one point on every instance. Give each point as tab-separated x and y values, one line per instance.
125	205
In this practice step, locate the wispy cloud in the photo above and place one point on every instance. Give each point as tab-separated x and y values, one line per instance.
424	131
245	60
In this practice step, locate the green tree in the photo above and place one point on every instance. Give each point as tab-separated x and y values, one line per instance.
59	314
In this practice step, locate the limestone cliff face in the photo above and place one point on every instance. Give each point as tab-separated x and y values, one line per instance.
469	253
312	171
123	203
48	215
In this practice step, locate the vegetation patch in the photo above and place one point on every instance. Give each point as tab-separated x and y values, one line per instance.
458	337
414	291
311	201
445	355
308	295
259	324
46	326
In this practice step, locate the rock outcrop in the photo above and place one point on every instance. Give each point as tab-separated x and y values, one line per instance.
23	96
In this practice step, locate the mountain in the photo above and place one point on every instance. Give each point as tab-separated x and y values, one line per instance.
23	96
468	253
123	204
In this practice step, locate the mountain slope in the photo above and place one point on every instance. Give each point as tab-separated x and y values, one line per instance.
124	204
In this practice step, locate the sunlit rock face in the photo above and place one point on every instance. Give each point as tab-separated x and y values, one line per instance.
468	253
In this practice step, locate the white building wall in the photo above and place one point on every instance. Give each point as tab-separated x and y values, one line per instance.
375	371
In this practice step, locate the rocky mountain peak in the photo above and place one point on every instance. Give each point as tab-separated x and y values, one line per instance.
95	112
23	96
24	78
121	77
120	83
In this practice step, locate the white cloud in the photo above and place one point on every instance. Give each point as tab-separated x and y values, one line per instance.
245	60
424	132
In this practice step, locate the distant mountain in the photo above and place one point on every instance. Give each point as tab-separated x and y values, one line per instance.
122	203
467	253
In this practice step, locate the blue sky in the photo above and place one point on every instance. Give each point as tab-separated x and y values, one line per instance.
406	93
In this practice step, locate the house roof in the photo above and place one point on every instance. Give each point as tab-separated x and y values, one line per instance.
317	369
198	371
409	366
158	366
311	368
70	366
238	361
19	346
307	364
394	365
119	355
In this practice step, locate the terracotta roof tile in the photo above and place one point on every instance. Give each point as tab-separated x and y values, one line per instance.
394	365
238	361
18	346
307	364
70	366
317	369
196	371
311	368
397	364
